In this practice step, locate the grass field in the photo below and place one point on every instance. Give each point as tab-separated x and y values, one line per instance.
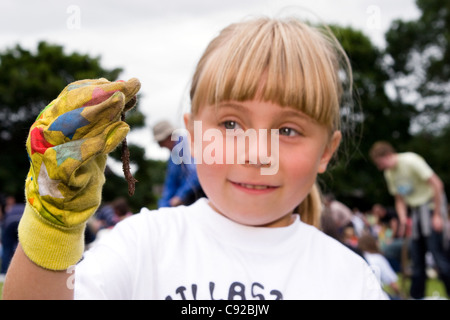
434	288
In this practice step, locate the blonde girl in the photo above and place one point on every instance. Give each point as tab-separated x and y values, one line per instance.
255	236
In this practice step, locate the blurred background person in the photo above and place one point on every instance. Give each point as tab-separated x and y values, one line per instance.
417	188
181	185
390	241
12	212
369	247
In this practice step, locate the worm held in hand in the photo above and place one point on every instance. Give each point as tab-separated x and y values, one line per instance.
126	153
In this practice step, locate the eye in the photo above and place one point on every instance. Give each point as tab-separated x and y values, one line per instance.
230	125
286	131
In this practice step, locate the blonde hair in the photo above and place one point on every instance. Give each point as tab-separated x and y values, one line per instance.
286	62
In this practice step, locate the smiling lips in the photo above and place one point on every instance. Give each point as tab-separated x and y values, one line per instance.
258	188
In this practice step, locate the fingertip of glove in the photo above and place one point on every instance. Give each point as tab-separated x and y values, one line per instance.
134	85
135	82
121	130
116	136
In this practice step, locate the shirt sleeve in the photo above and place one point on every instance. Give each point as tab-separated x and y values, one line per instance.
372	285
390	183
108	270
94	280
421	167
388	275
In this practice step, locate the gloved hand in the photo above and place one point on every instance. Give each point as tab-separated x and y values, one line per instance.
67	146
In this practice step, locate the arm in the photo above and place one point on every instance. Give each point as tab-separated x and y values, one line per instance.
438	188
67	148
400	207
26	280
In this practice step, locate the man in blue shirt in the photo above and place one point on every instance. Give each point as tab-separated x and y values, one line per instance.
181	186
13	212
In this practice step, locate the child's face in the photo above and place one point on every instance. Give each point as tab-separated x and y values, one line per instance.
238	190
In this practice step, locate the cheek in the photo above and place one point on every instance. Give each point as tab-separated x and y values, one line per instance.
300	167
210	176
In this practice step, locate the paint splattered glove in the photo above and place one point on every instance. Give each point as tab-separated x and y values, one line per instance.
67	146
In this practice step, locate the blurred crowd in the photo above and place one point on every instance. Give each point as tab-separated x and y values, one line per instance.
11	210
372	234
375	236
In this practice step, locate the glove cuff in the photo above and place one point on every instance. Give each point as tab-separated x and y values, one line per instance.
48	245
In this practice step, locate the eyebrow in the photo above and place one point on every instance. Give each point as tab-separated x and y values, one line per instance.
285	111
235	106
295	113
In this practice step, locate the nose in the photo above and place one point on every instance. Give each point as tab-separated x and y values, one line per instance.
253	148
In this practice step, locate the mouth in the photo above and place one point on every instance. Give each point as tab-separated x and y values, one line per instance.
254	188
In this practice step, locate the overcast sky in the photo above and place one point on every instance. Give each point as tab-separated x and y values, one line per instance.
160	41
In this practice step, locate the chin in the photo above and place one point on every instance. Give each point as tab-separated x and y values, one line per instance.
259	220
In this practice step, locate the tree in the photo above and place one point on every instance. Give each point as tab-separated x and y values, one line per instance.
419	66
28	82
354	179
150	175
419	52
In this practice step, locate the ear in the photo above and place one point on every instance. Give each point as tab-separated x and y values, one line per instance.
330	149
188	123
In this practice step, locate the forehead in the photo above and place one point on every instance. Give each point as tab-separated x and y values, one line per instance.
289	64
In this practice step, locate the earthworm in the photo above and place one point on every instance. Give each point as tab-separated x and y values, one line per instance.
126	153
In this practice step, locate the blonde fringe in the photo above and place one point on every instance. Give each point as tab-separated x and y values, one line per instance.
285	61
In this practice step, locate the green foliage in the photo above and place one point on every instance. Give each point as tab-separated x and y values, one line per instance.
420	64
354	179
150	175
413	117
29	80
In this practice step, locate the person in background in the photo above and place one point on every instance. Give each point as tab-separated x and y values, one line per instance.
380	265
387	218
390	243
181	186
340	213
13	211
416	187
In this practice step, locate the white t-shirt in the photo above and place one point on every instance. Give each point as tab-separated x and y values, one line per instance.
196	253
380	265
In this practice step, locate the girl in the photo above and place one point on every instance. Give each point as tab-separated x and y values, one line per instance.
255	235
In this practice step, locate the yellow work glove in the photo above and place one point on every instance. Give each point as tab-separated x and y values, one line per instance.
67	147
